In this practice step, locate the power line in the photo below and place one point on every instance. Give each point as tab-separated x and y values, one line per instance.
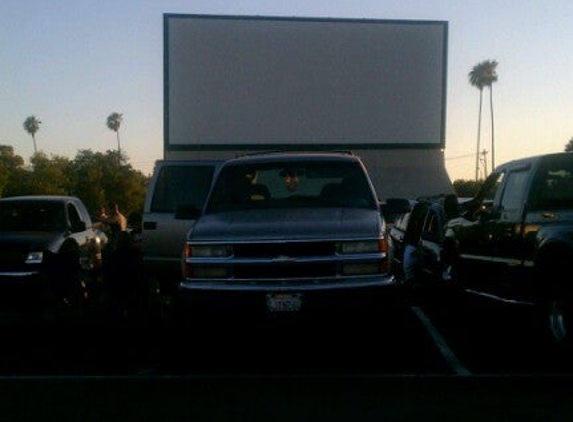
460	156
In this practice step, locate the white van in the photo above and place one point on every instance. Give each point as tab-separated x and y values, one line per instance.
174	184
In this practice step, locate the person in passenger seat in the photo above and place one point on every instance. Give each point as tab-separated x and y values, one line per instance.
291	179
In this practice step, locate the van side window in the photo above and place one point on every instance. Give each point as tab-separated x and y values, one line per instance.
181	184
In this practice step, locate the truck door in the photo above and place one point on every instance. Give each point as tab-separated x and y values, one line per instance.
80	233
431	243
504	229
473	236
494	249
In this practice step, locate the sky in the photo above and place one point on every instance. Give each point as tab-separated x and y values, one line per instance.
71	63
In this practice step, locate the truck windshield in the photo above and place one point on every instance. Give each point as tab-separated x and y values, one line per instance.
291	185
31	216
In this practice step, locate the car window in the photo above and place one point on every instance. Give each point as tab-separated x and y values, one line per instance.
553	186
74	217
416	223
28	216
181	184
511	199
402	221
432	225
292	184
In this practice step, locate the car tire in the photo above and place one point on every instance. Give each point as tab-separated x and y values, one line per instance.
558	316
48	306
556	299
71	303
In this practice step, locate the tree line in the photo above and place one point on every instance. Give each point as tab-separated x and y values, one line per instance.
103	179
98	179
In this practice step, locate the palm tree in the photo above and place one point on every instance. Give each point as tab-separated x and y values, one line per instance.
114	122
484	74
490	77
476	80
32	125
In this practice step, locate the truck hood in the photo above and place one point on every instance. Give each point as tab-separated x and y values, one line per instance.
33	240
287	224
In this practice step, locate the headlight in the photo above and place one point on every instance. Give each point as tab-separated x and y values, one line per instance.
208	251
356	247
35	258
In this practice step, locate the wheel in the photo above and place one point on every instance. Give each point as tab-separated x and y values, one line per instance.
558	319
556	298
70	288
48	306
160	301
68	307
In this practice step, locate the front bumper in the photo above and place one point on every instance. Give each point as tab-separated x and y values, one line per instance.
21	290
287	285
246	297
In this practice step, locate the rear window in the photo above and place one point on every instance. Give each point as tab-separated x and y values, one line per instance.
181	184
553	187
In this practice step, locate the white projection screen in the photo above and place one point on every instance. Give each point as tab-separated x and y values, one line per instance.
253	82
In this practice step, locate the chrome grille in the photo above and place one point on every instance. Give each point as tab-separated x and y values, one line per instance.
294	270
284	249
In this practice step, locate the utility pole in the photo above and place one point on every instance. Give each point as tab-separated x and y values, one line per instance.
484	161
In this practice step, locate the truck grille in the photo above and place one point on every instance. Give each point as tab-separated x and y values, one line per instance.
285	271
285	261
286	250
289	249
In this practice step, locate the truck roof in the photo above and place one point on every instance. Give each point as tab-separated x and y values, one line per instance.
56	198
533	158
294	156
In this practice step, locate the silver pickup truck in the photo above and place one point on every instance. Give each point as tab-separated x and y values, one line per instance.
287	231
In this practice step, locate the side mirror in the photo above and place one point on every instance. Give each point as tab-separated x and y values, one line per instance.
486	214
187	211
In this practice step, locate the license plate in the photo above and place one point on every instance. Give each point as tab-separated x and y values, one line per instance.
283	302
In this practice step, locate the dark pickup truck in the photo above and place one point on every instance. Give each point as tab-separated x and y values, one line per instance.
513	242
49	255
